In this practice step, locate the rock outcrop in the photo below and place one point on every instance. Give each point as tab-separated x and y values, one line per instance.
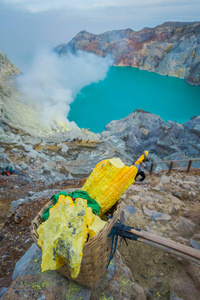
141	131
172	48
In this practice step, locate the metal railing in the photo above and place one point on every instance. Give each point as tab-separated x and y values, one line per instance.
171	162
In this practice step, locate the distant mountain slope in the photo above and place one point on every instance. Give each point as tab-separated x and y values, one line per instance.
15	115
172	48
7	71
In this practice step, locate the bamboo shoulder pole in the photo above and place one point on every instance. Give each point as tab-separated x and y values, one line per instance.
169	250
167	242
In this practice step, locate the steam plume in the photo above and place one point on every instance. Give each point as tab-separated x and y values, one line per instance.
52	82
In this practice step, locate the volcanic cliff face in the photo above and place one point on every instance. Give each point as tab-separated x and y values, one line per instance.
16	116
172	48
7	72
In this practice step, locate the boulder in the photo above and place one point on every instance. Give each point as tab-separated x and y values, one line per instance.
184	226
30	283
156	216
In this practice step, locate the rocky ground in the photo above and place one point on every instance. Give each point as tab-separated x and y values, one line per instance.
167	205
15	230
177	198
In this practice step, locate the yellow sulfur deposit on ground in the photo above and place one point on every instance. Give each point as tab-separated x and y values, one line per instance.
108	181
63	235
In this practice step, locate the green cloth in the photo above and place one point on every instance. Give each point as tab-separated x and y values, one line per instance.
76	194
56	196
45	215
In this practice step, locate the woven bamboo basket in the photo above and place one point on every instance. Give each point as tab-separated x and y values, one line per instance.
96	252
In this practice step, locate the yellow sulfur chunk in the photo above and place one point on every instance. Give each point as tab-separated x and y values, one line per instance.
90	216
63	235
108	181
96	226
63	197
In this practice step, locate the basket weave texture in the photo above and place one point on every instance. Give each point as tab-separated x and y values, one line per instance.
96	252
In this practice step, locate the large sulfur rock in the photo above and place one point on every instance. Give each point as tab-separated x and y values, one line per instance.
63	235
108	181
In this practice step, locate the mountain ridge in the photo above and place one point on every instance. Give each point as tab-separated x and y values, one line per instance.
172	48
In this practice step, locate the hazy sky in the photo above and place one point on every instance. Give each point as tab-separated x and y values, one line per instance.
28	25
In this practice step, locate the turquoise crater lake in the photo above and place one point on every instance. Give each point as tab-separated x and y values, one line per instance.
126	89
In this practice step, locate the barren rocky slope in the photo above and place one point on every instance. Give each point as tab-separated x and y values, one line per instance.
168	205
172	48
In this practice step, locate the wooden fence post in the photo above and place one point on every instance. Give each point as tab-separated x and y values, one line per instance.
188	167
151	169
170	166
172	162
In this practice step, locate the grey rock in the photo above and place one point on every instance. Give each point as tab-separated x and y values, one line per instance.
22	166
130	209
16	187
2	291
64	149
165	179
156	216
5	161
184	226
28	148
31	193
37	195
43	297
163	140
157	167
27	264
70	176
177	156
46	169
196	130
30	263
33	154
14	150
15	204
174	297
194	244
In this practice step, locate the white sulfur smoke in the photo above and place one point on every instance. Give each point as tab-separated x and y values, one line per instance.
53	81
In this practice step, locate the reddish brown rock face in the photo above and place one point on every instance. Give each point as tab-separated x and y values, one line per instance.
149	49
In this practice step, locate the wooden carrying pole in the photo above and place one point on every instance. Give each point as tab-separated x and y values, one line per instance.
167	245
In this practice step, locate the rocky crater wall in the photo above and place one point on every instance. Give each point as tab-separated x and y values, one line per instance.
172	48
